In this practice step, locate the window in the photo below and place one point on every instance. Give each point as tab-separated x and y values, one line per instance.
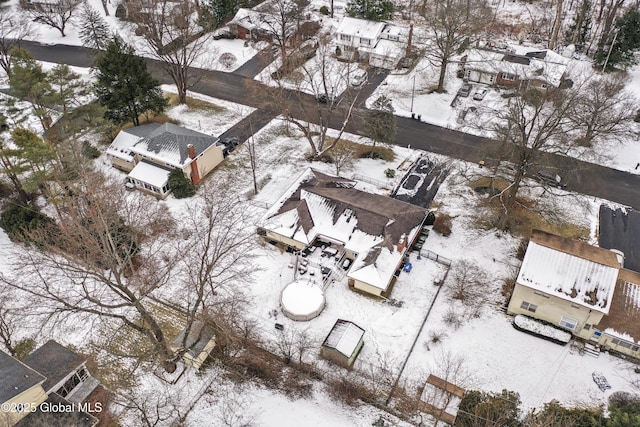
587	327
568	322
528	306
72	382
345	37
540	294
577	307
508	76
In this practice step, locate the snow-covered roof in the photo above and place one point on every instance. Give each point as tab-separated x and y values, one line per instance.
121	146
360	28
542	65
344	337
368	224
265	21
571	270
151	174
167	143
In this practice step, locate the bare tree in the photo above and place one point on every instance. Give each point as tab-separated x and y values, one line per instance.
604	110
55	14
532	124
174	36
468	283
7	328
342	154
557	23
93	261
14	28
281	17
452	25
324	78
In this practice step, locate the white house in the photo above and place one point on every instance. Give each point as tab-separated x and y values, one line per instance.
149	153
379	43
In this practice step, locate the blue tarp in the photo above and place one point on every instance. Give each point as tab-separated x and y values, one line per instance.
407	267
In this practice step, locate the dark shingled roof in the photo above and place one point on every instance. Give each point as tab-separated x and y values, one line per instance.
199	336
54	361
624	314
377	215
15	377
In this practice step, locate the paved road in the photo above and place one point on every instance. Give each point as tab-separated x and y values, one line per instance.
582	177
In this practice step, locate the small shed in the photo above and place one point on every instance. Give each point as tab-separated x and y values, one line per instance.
343	344
199	344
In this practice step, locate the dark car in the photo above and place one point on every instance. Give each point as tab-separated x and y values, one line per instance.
551	178
465	90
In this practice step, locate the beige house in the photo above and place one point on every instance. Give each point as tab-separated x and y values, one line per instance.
373	231
581	288
149	152
343	344
52	376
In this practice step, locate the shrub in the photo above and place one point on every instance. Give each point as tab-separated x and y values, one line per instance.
24	348
431	218
522	248
180	185
338	51
442	224
390	173
18	220
324	10
227	59
89	150
377	152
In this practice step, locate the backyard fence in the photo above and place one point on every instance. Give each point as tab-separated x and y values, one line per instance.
435	257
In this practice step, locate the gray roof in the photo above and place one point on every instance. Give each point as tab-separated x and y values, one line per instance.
55	362
169	141
199	336
16	377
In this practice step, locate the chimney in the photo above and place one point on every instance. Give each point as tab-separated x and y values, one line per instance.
195	175
402	243
410	39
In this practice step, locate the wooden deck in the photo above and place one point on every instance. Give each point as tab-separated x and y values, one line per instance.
445	385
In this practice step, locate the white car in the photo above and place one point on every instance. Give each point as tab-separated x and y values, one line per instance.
480	94
358	78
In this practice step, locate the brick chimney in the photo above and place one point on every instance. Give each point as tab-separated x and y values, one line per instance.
402	243
195	175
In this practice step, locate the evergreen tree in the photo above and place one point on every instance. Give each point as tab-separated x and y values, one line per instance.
124	86
623	43
180	185
380	124
94	31
34	156
215	11
66	86
373	10
29	82
18	220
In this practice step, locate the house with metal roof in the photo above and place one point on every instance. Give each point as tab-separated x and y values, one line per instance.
580	288
149	152
343	343
373	231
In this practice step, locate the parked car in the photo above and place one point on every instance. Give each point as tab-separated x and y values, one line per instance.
551	178
465	90
358	78
480	93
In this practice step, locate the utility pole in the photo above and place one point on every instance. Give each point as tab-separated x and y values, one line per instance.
606	61
413	91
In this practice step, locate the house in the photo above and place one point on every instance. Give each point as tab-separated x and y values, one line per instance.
373	231
149	152
581	288
343	344
380	44
265	23
540	69
20	386
50	377
200	342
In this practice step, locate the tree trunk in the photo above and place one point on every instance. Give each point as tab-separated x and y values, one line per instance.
556	26
443	73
